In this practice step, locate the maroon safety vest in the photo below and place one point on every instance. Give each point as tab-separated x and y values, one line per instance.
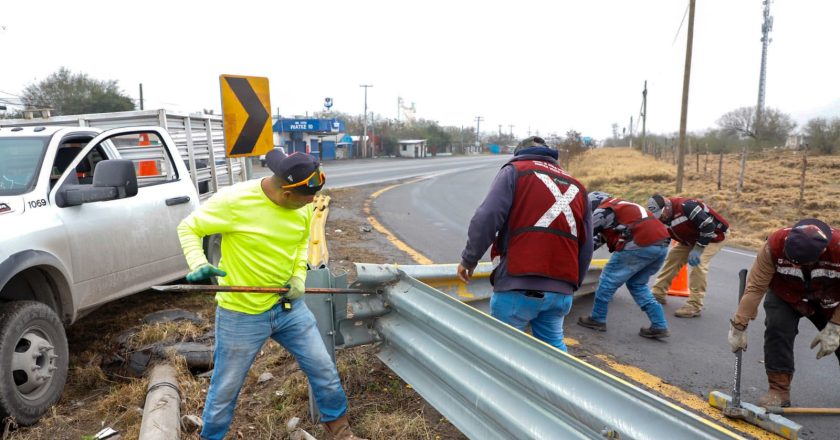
822	294
545	223
684	231
645	229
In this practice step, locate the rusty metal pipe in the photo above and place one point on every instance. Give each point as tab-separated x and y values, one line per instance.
209	288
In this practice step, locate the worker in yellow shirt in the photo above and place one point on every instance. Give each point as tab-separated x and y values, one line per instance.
264	226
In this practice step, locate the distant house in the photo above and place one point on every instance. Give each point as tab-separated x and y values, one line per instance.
412	148
795	141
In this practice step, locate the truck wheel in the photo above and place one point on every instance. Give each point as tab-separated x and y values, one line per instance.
33	360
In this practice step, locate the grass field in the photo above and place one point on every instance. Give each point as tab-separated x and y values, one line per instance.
769	199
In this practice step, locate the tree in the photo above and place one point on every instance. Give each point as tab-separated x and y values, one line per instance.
68	93
823	135
771	131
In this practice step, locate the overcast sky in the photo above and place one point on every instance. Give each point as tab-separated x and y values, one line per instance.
548	65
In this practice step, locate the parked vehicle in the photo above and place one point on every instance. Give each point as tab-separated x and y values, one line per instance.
88	216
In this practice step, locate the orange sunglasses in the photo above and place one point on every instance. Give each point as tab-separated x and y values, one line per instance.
315	180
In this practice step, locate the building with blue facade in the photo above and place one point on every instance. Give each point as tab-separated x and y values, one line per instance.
323	138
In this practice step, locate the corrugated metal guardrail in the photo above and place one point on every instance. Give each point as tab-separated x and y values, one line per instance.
493	382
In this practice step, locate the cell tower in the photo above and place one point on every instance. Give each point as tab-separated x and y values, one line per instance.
766	27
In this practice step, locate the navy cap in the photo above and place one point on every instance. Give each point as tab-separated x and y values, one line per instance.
806	241
293	168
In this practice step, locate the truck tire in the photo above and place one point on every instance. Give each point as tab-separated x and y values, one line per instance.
33	360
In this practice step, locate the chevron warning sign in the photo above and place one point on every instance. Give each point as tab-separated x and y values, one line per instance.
247	115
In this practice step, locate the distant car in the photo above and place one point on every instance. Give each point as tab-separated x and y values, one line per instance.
262	158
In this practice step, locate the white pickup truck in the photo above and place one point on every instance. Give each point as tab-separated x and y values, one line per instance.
88	216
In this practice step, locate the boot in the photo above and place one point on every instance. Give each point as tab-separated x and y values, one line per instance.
654	333
588	322
339	429
687	311
779	390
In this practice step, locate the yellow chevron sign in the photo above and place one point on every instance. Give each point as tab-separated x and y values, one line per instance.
247	115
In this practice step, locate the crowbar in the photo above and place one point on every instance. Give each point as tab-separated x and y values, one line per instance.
206	288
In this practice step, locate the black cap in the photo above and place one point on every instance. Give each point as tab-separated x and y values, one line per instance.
293	168
656	204
531	141
806	241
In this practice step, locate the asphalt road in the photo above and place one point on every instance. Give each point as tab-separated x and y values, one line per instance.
432	216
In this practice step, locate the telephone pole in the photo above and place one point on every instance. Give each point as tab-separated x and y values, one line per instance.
684	112
510	126
363	144
478	120
644	116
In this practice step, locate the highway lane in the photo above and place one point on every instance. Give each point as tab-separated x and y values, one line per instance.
432	216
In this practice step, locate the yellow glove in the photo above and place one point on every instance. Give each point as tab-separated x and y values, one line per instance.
297	288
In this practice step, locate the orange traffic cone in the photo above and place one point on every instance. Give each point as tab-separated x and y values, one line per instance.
146	168
679	286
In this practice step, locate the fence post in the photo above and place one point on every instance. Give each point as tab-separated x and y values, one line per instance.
743	170
706	163
720	168
802	179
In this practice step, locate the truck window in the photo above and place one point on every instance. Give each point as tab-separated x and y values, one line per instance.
20	164
151	159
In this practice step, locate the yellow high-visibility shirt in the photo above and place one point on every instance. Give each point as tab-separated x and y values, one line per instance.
263	244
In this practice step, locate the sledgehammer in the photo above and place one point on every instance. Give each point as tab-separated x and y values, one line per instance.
732	407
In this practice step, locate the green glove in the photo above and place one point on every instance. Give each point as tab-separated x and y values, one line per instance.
296	288
204	273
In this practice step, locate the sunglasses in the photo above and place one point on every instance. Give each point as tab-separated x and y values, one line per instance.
315	180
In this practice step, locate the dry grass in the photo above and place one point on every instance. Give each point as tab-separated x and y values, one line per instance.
768	201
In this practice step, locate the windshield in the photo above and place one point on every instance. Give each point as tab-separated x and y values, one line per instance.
20	159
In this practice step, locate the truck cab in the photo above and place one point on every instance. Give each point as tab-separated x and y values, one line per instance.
86	217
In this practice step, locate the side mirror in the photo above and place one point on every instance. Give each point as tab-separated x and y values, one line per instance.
112	179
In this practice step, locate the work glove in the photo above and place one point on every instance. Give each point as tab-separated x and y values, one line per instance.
737	338
828	339
694	256
204	273
297	287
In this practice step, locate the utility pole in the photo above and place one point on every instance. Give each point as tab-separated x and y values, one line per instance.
684	112
644	116
766	27
631	131
399	104
363	144
510	126
478	120
500	130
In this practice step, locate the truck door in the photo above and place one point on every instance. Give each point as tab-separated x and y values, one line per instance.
123	246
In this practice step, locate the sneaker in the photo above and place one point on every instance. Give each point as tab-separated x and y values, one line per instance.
588	322
687	311
654	333
661	299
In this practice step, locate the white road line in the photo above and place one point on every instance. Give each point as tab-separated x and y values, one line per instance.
739	253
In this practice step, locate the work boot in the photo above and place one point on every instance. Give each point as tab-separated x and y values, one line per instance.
654	333
687	311
588	322
779	390
339	429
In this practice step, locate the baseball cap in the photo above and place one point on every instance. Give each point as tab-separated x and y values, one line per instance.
806	241
656	204
301	171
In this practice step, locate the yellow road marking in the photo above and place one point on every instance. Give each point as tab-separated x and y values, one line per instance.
416	256
635	374
694	402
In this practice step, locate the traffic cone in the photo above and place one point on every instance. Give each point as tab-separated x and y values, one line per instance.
146	167
679	286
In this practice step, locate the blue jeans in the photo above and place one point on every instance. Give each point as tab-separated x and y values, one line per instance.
544	314
240	336
633	267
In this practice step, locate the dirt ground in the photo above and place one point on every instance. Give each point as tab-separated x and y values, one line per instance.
381	405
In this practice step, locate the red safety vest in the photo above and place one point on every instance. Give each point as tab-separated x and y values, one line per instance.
684	231
645	229
822	293
545	223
